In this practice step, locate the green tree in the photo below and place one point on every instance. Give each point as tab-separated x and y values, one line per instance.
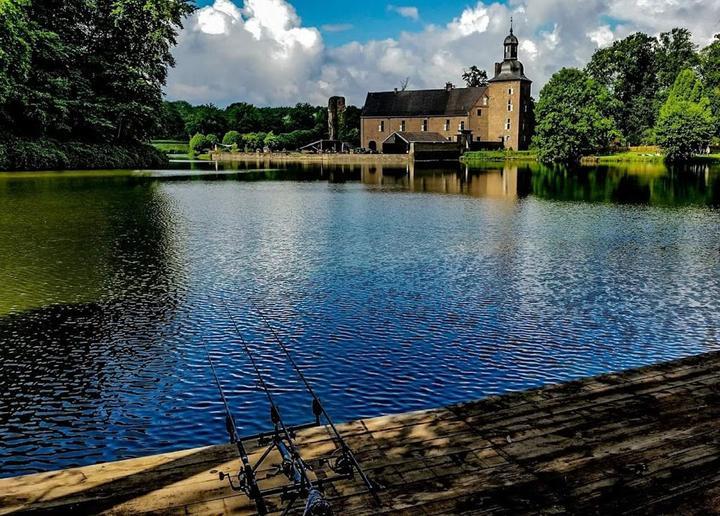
685	124
628	69
674	52
474	77
232	138
198	143
710	67
574	117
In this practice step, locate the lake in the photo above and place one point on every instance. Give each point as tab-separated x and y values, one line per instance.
397	290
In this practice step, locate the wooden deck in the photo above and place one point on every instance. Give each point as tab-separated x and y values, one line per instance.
647	441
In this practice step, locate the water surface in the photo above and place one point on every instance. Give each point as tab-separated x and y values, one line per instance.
401	289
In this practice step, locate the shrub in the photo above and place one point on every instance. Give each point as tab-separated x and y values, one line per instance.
232	138
211	140
198	143
17	154
254	141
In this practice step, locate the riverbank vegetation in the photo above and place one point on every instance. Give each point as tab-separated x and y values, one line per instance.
69	100
641	90
242	126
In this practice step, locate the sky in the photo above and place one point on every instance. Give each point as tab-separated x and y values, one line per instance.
281	52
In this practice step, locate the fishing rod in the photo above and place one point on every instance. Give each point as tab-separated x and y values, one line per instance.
247	483
293	466
347	460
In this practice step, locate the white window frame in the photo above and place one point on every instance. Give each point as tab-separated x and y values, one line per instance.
510	91
510	106
425	125
508	125
381	126
485	101
402	126
447	125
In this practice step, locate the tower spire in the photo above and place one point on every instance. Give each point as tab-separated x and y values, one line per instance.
511	25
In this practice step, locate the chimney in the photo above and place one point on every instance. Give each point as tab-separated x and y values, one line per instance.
396	91
449	86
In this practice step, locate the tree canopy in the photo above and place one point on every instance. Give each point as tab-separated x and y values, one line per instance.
575	117
474	77
686	123
86	71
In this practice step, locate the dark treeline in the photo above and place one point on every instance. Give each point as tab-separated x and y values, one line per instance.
246	125
86	73
641	90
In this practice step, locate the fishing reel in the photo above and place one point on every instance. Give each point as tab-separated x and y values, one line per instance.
340	463
238	483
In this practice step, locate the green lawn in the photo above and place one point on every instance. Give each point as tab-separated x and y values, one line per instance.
500	155
171	146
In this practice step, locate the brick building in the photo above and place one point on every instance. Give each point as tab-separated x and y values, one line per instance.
487	116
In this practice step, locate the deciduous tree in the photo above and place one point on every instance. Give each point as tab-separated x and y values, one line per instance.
685	124
574	117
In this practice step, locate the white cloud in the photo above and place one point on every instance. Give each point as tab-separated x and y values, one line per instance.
410	12
471	21
602	36
260	52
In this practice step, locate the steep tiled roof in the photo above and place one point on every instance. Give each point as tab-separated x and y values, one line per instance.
455	102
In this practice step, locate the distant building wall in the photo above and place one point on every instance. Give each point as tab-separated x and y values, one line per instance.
370	127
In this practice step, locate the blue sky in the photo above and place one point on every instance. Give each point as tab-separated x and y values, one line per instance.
281	52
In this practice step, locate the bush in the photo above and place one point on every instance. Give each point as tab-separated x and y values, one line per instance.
254	141
17	154
198	143
211	140
232	138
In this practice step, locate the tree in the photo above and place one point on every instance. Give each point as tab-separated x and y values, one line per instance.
710	68
628	69
474	77
95	71
674	52
207	119
574	117
232	138
685	124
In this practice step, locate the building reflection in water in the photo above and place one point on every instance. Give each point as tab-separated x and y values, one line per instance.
506	181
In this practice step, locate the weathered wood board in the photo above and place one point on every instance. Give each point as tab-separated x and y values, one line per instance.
646	441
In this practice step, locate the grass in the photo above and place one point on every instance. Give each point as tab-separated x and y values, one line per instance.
629	157
171	146
645	157
500	155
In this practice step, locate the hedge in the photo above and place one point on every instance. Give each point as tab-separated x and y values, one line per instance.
17	155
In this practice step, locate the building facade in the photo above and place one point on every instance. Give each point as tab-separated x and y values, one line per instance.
488	116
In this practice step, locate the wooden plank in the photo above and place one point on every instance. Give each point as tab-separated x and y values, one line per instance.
642	441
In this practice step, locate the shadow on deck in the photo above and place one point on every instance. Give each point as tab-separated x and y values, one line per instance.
645	441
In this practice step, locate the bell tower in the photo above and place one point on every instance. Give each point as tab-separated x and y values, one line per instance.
509	92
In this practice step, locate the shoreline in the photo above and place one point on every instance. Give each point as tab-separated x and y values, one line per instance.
298	157
642	440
